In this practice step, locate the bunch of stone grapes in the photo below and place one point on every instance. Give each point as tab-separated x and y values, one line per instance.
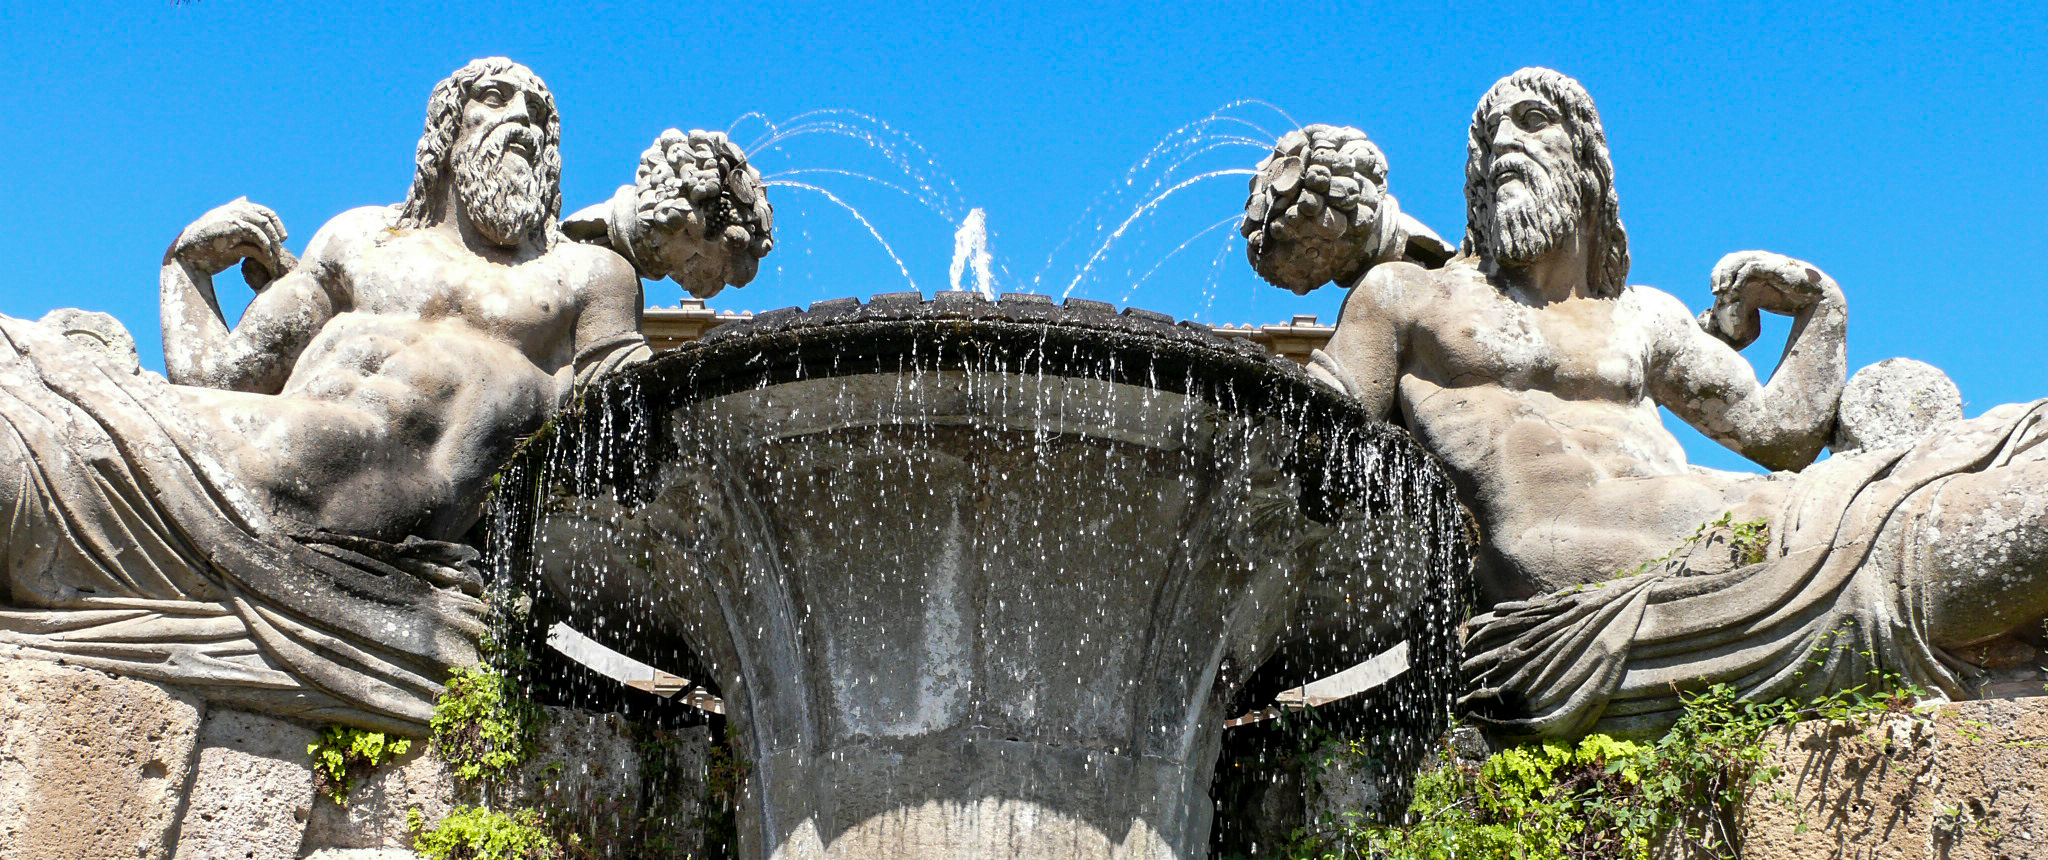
1314	212
702	210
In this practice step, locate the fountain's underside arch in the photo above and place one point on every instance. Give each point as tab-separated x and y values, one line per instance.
985	578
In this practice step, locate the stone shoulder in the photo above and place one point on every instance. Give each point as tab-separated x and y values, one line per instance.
331	247
1652	304
353	225
1672	325
1401	288
1403	293
604	265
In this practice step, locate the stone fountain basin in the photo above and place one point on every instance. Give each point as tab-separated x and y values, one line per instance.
983	580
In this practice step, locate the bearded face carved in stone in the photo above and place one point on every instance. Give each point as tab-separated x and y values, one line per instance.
503	143
1535	186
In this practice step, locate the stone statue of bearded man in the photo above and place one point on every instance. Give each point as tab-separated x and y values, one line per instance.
1535	372
274	523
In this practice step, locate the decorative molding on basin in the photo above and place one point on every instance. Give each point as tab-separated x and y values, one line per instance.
668	328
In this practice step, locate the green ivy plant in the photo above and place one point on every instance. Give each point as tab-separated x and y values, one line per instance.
1751	540
344	754
476	833
1600	797
482	725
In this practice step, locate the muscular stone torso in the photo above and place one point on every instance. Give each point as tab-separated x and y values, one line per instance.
1542	413
413	393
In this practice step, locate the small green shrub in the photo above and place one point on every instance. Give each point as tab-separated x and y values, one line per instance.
1600	798
484	834
1751	540
482	725
343	754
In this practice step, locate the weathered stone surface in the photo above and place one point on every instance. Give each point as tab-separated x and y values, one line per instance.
99	332
92	766
1847	790
1993	763
586	765
1968	782
253	789
1346	789
1895	402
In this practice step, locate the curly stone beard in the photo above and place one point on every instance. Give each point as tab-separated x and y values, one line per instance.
501	195
1524	229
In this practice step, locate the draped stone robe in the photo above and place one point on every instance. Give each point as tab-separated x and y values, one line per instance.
126	547
1836	604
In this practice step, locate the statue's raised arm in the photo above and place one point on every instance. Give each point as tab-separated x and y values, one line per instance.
1785	423
256	354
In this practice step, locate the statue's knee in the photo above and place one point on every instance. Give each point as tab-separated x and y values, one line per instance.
1980	554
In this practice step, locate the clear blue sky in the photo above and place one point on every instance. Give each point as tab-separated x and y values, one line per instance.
1897	148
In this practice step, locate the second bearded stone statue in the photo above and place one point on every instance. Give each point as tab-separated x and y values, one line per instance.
274	523
1529	365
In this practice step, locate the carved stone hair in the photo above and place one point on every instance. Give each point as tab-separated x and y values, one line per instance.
444	123
1608	242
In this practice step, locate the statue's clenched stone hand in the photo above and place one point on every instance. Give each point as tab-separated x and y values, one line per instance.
256	355
233	232
1746	282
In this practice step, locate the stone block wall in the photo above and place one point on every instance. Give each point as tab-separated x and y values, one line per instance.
1968	781
91	766
94	766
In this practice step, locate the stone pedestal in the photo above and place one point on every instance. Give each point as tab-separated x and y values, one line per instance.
947	630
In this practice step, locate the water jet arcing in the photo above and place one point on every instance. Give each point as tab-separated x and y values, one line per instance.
970	254
986	578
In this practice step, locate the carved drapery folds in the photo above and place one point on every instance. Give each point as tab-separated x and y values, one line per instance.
127	548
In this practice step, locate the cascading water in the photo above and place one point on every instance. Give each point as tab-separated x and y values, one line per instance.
986	579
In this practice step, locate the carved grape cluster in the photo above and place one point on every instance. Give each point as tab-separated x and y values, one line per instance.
702	211
1314	212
